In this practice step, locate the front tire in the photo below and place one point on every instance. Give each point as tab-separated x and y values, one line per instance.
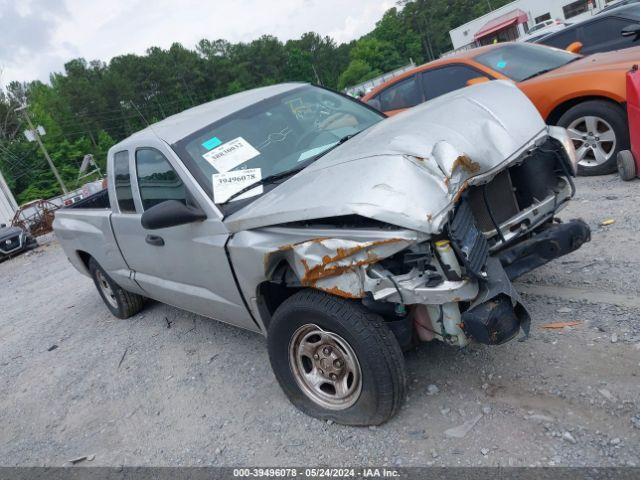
120	303
599	130
335	360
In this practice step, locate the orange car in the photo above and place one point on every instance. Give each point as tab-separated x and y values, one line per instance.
586	95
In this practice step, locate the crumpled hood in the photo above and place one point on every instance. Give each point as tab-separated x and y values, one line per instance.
9	232
407	170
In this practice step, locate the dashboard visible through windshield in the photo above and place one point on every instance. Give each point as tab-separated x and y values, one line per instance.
280	134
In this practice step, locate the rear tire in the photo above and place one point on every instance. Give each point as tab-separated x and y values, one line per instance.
335	360
120	303
591	122
626	166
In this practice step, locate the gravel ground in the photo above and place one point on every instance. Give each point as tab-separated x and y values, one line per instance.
172	388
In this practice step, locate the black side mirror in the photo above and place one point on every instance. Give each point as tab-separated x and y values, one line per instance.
632	30
3	225
171	213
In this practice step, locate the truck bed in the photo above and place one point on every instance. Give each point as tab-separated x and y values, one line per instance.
84	230
98	200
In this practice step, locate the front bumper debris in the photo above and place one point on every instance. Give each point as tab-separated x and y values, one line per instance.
497	314
554	241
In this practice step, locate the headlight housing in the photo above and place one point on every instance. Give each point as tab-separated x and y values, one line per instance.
561	134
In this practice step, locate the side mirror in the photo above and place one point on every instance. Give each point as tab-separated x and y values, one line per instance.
375	103
477	80
632	30
171	213
575	47
3	225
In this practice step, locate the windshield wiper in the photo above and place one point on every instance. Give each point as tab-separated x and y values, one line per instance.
547	70
279	176
336	145
265	181
537	74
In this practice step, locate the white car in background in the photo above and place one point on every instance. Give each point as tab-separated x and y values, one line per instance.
541	29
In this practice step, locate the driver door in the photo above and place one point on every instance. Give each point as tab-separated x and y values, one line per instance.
187	265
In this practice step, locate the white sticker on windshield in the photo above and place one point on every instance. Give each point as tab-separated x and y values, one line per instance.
229	155
314	151
228	183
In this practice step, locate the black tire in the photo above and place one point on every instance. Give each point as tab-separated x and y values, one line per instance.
615	116
380	359
122	304
626	165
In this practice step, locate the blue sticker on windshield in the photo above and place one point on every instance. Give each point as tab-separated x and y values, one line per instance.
211	143
501	64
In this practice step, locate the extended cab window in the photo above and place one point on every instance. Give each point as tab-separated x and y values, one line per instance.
157	180
404	94
122	179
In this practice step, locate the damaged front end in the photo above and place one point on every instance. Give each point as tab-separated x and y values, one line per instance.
425	218
455	285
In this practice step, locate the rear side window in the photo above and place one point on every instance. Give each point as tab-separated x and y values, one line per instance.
562	39
404	94
157	180
443	80
122	179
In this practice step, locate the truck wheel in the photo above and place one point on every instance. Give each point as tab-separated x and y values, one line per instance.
626	165
599	130
120	303
335	360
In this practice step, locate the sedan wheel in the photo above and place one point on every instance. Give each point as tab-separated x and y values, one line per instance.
594	139
599	130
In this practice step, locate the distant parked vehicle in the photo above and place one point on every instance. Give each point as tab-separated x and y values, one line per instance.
613	5
543	29
615	29
14	240
584	95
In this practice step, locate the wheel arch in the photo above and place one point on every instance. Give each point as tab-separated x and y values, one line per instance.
272	293
566	105
84	258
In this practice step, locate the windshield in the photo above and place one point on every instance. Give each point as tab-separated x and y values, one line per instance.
520	61
280	134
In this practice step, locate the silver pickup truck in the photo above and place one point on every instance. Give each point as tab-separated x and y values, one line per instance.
342	236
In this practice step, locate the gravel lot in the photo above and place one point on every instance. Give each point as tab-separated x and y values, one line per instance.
172	388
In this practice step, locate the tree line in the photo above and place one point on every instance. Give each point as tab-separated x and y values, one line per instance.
92	105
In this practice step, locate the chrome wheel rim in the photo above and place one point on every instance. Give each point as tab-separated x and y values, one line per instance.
594	139
106	289
325	367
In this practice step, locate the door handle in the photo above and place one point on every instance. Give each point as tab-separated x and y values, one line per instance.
155	240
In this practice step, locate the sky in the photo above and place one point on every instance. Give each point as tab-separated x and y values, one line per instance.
37	37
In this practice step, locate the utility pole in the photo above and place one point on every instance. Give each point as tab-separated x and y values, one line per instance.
42	147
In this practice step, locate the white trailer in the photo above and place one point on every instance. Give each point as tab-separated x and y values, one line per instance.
8	205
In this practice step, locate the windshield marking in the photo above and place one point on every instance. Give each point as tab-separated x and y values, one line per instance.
227	183
211	143
231	154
